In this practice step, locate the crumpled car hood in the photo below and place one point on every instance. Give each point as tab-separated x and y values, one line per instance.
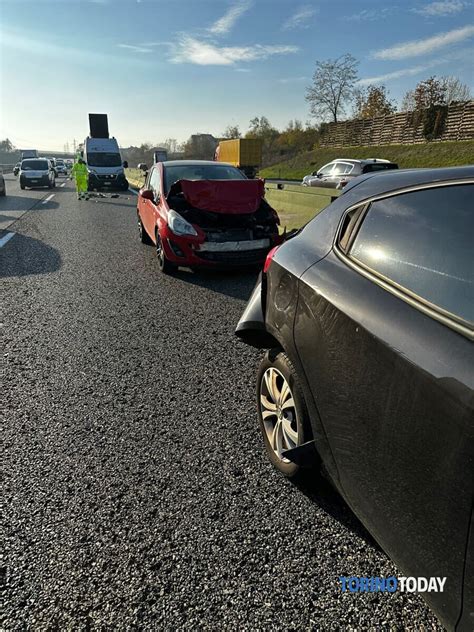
234	197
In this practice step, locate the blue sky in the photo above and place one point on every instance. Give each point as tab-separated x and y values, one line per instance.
170	68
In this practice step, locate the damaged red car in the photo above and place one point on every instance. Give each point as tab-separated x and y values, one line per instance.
205	214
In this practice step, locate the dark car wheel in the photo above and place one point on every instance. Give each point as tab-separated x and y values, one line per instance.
282	412
22	186
144	237
165	266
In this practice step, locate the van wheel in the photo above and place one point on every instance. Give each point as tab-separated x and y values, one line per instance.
165	266
22	186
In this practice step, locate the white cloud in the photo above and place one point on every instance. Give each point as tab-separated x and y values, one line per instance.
370	15
224	24
192	51
404	72
426	46
135	49
441	8
460	56
286	80
300	18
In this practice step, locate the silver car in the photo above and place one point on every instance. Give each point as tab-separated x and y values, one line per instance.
339	172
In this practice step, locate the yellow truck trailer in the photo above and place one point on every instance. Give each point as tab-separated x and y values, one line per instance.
243	153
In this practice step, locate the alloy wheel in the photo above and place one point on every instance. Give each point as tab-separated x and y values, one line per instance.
278	410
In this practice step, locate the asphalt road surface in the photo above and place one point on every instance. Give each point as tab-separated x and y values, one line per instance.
137	494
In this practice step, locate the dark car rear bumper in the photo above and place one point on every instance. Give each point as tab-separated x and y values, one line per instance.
251	326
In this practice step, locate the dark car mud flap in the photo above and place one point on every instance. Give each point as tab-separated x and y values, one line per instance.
303	455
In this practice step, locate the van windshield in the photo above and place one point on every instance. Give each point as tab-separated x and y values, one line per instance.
104	159
34	165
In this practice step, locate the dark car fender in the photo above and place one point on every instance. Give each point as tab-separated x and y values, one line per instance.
253	329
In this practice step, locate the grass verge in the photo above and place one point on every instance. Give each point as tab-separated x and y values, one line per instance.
135	177
446	154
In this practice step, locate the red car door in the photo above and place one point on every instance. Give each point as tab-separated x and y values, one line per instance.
148	207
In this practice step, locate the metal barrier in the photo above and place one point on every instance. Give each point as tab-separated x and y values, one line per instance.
6	168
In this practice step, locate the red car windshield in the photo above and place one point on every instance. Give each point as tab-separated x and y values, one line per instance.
200	172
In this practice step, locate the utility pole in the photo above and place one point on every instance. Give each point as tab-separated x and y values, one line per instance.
74	145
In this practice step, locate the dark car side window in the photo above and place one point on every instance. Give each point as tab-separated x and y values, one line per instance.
423	241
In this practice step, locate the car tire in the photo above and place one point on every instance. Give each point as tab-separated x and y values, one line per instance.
144	236
289	426
22	186
3	192
165	266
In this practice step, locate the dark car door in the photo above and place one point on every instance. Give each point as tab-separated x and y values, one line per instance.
383	333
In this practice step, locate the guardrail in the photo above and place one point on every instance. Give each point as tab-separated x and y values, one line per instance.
6	168
296	199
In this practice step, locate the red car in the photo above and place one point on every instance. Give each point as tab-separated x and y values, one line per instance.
205	214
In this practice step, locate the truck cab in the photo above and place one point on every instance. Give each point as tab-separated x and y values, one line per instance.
104	164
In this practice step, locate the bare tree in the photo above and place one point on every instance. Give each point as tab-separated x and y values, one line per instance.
232	131
455	89
372	101
408	102
332	87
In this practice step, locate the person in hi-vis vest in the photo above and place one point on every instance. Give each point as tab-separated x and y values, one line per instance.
79	173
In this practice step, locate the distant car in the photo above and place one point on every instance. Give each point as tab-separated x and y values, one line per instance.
3	188
37	172
61	167
338	173
16	169
368	313
205	214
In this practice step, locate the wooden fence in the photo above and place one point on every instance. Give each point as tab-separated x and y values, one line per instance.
399	129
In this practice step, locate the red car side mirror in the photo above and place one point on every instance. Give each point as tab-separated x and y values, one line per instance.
147	194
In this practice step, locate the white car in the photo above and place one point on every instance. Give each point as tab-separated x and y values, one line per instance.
37	172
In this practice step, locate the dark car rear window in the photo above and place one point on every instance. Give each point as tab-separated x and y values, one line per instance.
379	166
423	241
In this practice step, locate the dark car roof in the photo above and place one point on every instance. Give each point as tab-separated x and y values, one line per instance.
176	163
385	181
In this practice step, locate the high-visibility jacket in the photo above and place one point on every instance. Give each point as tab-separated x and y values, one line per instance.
79	171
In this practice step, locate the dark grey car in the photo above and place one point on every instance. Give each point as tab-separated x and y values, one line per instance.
339	172
368	315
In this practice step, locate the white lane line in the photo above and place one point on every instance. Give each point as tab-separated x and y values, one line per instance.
48	199
5	239
132	191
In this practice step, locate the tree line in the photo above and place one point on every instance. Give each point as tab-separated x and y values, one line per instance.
335	92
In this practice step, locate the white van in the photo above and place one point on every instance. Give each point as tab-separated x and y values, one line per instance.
104	164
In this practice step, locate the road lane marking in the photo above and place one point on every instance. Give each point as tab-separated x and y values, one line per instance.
5	239
132	191
48	199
